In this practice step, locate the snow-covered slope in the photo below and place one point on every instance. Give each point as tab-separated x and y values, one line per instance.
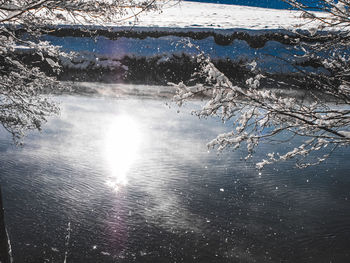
139	50
206	15
181	14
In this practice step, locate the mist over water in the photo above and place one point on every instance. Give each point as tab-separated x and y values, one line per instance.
134	180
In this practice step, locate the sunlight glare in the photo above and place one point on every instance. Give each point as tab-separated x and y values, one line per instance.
122	143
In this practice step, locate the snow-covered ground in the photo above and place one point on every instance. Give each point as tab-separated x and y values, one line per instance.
219	16
181	14
102	52
239	34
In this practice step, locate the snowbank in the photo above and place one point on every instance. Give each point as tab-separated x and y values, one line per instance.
183	14
231	35
219	16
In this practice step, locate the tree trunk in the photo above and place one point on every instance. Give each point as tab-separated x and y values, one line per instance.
5	247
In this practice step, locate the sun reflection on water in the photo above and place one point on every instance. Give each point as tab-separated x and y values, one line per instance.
122	143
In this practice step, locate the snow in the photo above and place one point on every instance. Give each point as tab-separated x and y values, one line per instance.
218	16
174	15
101	52
345	133
184	19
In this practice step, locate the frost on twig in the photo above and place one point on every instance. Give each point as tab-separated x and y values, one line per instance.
259	115
24	103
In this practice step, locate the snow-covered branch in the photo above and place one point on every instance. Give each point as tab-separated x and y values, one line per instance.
24	103
263	114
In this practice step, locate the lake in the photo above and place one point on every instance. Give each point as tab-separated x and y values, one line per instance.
130	179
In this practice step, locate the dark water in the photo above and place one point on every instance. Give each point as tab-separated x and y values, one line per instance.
135	183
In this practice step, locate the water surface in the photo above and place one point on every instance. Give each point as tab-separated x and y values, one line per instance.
131	180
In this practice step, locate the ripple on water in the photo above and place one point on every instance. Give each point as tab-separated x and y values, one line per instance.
180	203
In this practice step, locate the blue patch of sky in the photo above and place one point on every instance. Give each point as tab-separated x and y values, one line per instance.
277	4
